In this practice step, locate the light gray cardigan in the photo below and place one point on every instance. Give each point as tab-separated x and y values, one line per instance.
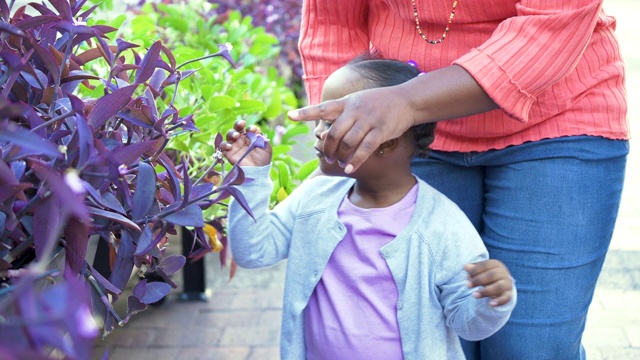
426	260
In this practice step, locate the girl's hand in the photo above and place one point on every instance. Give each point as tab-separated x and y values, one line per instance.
494	278
238	143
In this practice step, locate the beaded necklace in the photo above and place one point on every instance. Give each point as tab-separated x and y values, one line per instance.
446	30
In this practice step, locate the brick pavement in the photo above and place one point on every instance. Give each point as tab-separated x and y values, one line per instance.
241	320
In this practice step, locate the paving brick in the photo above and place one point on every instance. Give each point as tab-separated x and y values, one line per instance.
144	353
615	353
221	319
265	353
633	333
213	353
605	336
251	336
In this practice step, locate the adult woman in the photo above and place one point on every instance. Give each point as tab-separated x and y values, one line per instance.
533	148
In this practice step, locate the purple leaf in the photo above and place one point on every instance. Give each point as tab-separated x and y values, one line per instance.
172	59
134	305
77	236
36	21
6	27
104	282
48	59
200	190
155	82
113	216
124	45
234	178
109	105
188	124
189	216
257	141
63	8
124	261
174	181
131	154
85	140
136	116
144	241
140	289
148	64
224	52
186	182
19	136
111	202
61	190
145	191
218	140
50	218
171	264
241	200
154	292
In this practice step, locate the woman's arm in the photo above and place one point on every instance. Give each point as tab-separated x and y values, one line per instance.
361	119
525	56
332	33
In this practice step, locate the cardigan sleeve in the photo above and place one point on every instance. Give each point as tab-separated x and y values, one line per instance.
332	33
529	52
264	239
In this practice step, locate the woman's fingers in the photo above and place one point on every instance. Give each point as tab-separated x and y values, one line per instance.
328	110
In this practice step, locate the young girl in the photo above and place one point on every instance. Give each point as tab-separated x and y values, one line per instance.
380	265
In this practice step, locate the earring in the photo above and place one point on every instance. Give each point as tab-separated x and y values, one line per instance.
380	152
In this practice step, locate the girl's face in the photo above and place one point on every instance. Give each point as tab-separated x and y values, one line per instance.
339	84
328	169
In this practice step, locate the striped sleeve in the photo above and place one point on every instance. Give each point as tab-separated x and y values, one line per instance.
332	33
530	52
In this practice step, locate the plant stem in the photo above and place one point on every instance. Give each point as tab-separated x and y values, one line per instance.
54	120
103	297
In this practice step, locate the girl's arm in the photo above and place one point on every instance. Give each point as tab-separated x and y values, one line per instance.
264	241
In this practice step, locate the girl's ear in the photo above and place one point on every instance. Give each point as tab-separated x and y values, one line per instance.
389	145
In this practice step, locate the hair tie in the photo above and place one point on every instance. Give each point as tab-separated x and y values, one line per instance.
415	65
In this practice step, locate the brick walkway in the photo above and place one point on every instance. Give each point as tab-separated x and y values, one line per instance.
241	320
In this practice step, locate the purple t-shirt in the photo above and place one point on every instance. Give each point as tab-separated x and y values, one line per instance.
352	311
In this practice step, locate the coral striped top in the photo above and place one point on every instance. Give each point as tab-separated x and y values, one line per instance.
553	66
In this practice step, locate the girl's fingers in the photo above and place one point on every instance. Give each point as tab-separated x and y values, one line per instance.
501	300
239	125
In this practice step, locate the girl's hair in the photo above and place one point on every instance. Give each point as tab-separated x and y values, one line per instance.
383	73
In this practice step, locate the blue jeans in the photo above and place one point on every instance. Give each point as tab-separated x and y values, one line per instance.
546	209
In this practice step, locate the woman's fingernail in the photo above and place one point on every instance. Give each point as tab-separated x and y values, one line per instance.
293	113
348	169
341	164
329	160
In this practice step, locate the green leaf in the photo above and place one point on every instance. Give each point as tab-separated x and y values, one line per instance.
249	106
206	91
279	150
284	174
307	168
177	23
220	102
295	130
274	109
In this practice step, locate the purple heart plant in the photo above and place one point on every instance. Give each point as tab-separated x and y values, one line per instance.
74	166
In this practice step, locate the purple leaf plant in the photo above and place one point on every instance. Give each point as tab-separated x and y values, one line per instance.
73	167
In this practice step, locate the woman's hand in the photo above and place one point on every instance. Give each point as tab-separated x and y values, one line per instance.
237	143
360	123
494	279
365	119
